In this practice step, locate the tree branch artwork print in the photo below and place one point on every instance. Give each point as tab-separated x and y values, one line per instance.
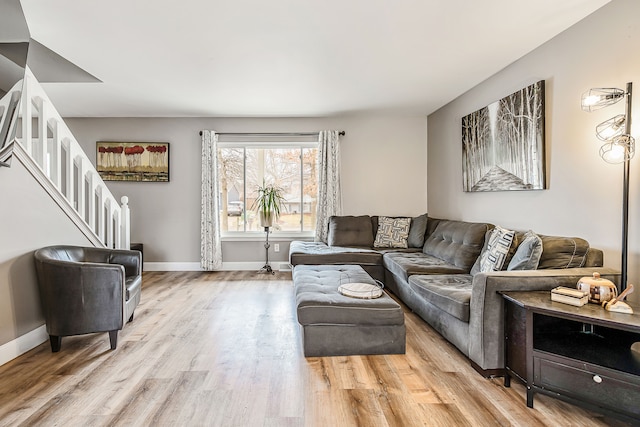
503	143
133	161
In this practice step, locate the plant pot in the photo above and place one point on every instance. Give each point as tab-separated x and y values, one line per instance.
266	219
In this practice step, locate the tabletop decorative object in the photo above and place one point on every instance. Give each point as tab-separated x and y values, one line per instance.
599	289
617	304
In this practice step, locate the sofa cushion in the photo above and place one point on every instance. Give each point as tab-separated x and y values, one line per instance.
392	232
527	256
350	231
398	250
417	231
450	292
316	253
133	285
496	249
405	264
457	242
595	258
563	252
320	303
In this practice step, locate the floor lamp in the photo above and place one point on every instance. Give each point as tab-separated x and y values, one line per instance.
618	147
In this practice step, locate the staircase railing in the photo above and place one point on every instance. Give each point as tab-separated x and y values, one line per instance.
53	156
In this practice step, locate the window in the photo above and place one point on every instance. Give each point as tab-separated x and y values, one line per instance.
242	167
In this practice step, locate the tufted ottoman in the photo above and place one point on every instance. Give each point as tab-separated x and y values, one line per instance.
336	325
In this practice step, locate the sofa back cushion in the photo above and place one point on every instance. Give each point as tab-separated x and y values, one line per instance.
563	252
350	231
595	258
76	254
417	231
457	242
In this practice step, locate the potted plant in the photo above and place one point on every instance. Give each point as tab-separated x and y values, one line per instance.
268	204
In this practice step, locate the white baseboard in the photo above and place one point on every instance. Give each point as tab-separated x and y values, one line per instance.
171	266
22	344
226	266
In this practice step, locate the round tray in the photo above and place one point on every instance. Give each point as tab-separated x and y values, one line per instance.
360	290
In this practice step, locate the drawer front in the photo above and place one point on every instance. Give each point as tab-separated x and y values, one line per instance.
589	387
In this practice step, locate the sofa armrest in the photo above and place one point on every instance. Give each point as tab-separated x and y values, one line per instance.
79	297
130	259
486	322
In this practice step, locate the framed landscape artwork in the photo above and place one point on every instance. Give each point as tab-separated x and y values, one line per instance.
503	143
133	161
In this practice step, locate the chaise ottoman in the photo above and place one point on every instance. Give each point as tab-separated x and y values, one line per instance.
337	325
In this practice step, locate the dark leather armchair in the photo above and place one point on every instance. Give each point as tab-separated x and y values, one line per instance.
85	290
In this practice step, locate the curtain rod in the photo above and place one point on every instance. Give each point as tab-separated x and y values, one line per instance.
341	133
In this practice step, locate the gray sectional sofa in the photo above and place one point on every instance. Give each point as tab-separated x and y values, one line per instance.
442	278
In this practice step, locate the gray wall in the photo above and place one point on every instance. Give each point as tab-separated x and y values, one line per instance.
585	194
166	217
29	219
383	170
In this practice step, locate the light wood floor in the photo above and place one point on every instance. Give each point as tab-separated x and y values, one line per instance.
223	349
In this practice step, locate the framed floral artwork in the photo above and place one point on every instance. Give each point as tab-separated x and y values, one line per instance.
133	161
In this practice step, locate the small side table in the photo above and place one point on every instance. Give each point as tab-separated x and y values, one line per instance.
578	354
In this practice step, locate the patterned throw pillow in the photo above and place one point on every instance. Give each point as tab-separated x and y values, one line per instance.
492	259
392	232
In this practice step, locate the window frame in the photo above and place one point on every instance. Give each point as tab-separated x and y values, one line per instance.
238	236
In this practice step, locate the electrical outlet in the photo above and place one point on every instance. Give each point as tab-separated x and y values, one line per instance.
276	247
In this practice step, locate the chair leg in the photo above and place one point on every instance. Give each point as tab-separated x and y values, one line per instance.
56	342
113	339
131	318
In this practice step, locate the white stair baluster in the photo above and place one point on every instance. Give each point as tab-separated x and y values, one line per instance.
125	225
66	172
55	159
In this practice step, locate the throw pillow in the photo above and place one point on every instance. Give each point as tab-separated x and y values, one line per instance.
417	229
392	232
528	254
517	239
492	259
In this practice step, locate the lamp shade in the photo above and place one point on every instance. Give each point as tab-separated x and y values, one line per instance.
597	98
611	128
619	149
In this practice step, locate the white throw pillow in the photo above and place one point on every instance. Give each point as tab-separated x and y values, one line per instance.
492	259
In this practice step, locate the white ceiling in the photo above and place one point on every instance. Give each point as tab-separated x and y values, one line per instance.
244	58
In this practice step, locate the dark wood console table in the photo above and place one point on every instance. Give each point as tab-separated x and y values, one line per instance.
578	354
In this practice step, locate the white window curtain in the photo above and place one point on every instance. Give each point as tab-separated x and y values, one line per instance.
329	191
210	246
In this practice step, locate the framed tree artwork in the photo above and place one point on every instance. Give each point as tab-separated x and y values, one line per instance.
133	161
503	143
